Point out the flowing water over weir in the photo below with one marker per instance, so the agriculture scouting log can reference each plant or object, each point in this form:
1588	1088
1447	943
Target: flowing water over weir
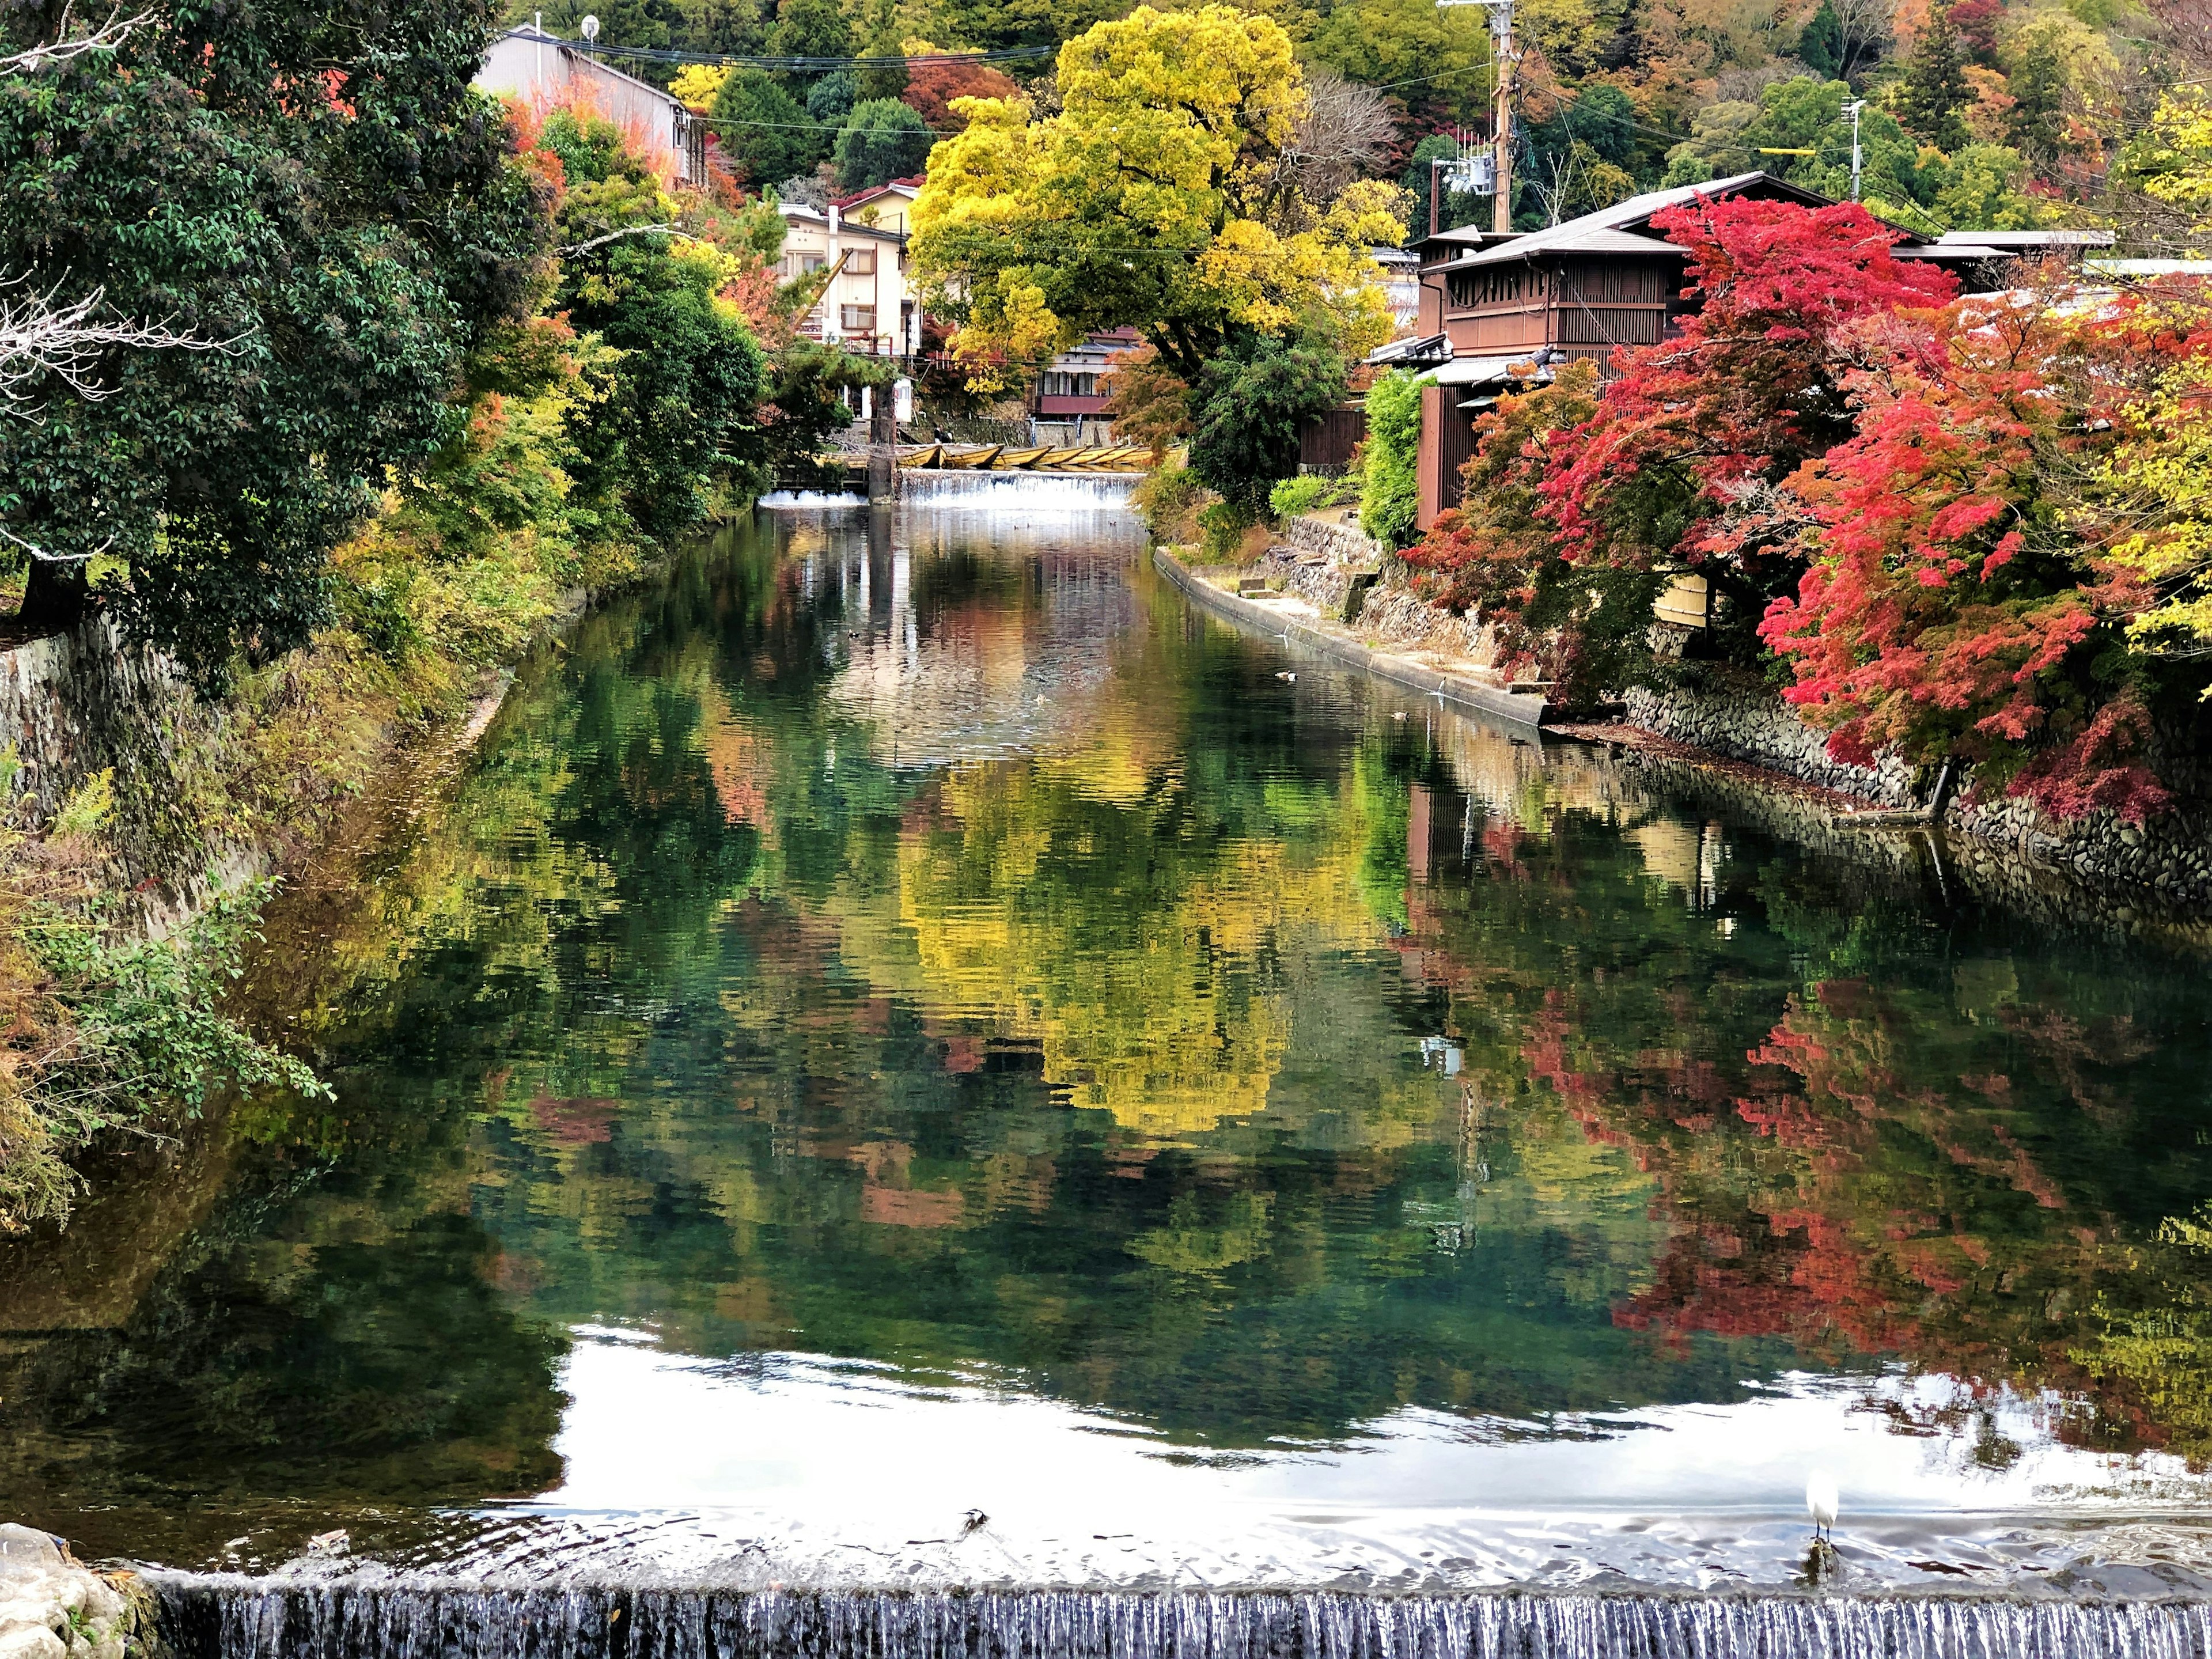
213	1618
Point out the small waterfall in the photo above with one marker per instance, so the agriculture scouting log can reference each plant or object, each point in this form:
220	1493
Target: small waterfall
1050	492
238	1618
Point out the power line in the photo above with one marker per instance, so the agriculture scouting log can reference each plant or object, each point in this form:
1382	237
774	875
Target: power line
799	61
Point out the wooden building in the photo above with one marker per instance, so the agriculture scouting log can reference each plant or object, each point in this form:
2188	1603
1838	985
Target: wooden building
1500	309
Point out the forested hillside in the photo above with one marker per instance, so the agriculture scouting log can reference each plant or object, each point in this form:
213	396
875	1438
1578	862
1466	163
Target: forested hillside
1980	114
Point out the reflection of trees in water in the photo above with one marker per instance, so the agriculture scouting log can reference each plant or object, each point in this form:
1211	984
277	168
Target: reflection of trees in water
1102	1061
1870	1138
317	1352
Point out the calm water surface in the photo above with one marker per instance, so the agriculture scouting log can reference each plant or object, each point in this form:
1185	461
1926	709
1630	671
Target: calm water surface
910	1020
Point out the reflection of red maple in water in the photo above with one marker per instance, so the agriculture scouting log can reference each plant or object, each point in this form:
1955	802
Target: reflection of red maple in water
1837	1188
583	1121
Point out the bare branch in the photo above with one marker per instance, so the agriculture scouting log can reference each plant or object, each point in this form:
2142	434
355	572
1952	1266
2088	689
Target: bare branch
612	235
39	336
64	46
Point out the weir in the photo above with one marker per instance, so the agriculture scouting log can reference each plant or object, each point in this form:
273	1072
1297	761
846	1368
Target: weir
1046	491
224	1618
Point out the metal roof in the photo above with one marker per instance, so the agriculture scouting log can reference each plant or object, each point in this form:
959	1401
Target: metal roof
1595	239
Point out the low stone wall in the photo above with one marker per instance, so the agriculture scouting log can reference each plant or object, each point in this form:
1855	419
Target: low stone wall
52	1608
2164	866
1316	561
76	704
1342	543
1767	732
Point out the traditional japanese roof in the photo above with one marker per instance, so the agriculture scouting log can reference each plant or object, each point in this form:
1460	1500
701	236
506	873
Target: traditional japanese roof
1597	239
1631	216
2019	241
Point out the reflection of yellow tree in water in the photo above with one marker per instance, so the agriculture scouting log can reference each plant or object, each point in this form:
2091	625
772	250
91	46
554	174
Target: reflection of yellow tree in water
1134	963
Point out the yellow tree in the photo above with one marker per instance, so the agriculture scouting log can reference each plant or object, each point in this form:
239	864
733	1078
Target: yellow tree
1159	197
2157	484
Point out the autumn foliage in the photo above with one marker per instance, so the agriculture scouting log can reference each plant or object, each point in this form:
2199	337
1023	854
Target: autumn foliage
1905	498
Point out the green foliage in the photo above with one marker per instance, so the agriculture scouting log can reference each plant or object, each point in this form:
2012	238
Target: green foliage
1390	484
1933	94
1168	496
148	1011
671	404
347	244
1302	494
764	128
830	99
810	28
1254	401
1821	42
881	37
882	140
88	808
1984	188
1221	527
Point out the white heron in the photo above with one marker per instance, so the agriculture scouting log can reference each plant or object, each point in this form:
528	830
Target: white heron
1820	1499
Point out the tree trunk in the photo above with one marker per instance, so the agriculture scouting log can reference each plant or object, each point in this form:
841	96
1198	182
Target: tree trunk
57	595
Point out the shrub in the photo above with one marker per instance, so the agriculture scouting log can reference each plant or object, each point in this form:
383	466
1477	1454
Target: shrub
1390	486
1302	494
1255	399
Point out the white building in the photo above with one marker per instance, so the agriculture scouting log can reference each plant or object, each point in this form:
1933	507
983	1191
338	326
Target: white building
546	72
870	305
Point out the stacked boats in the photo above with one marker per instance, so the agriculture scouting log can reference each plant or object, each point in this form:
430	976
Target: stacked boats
1044	458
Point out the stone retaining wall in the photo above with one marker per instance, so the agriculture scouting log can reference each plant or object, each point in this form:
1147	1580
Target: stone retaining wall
2164	865
1314	560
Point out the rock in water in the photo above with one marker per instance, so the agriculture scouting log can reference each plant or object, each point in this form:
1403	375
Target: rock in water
52	1608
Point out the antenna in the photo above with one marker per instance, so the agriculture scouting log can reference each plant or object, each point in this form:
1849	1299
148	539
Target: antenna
589	28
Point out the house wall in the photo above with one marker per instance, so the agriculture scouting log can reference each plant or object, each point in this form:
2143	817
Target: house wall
545	73
896	329
1447	441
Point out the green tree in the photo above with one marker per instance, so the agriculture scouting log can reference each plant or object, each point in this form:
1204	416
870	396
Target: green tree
1982	189
763	127
2036	79
882	37
882	140
1933	92
1253	402
830	99
810	28
1390	486
674	406
319	188
1821	42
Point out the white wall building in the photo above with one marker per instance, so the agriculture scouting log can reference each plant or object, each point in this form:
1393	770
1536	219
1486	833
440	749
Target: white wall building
546	72
870	305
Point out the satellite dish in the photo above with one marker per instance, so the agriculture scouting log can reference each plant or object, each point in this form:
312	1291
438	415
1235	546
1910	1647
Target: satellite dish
589	28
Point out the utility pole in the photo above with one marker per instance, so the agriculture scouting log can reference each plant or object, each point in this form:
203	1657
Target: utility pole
1501	106
1853	110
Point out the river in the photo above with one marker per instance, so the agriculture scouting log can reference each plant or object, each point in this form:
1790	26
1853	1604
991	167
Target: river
908	1057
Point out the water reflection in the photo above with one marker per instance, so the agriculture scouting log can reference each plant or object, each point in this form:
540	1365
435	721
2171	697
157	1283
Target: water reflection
909	997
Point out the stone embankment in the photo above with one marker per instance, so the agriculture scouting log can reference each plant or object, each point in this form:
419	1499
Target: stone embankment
2164	864
50	1607
2000	847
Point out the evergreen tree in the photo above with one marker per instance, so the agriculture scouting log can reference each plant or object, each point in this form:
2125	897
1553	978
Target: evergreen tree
1821	42
763	127
882	140
1933	92
2036	122
810	28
